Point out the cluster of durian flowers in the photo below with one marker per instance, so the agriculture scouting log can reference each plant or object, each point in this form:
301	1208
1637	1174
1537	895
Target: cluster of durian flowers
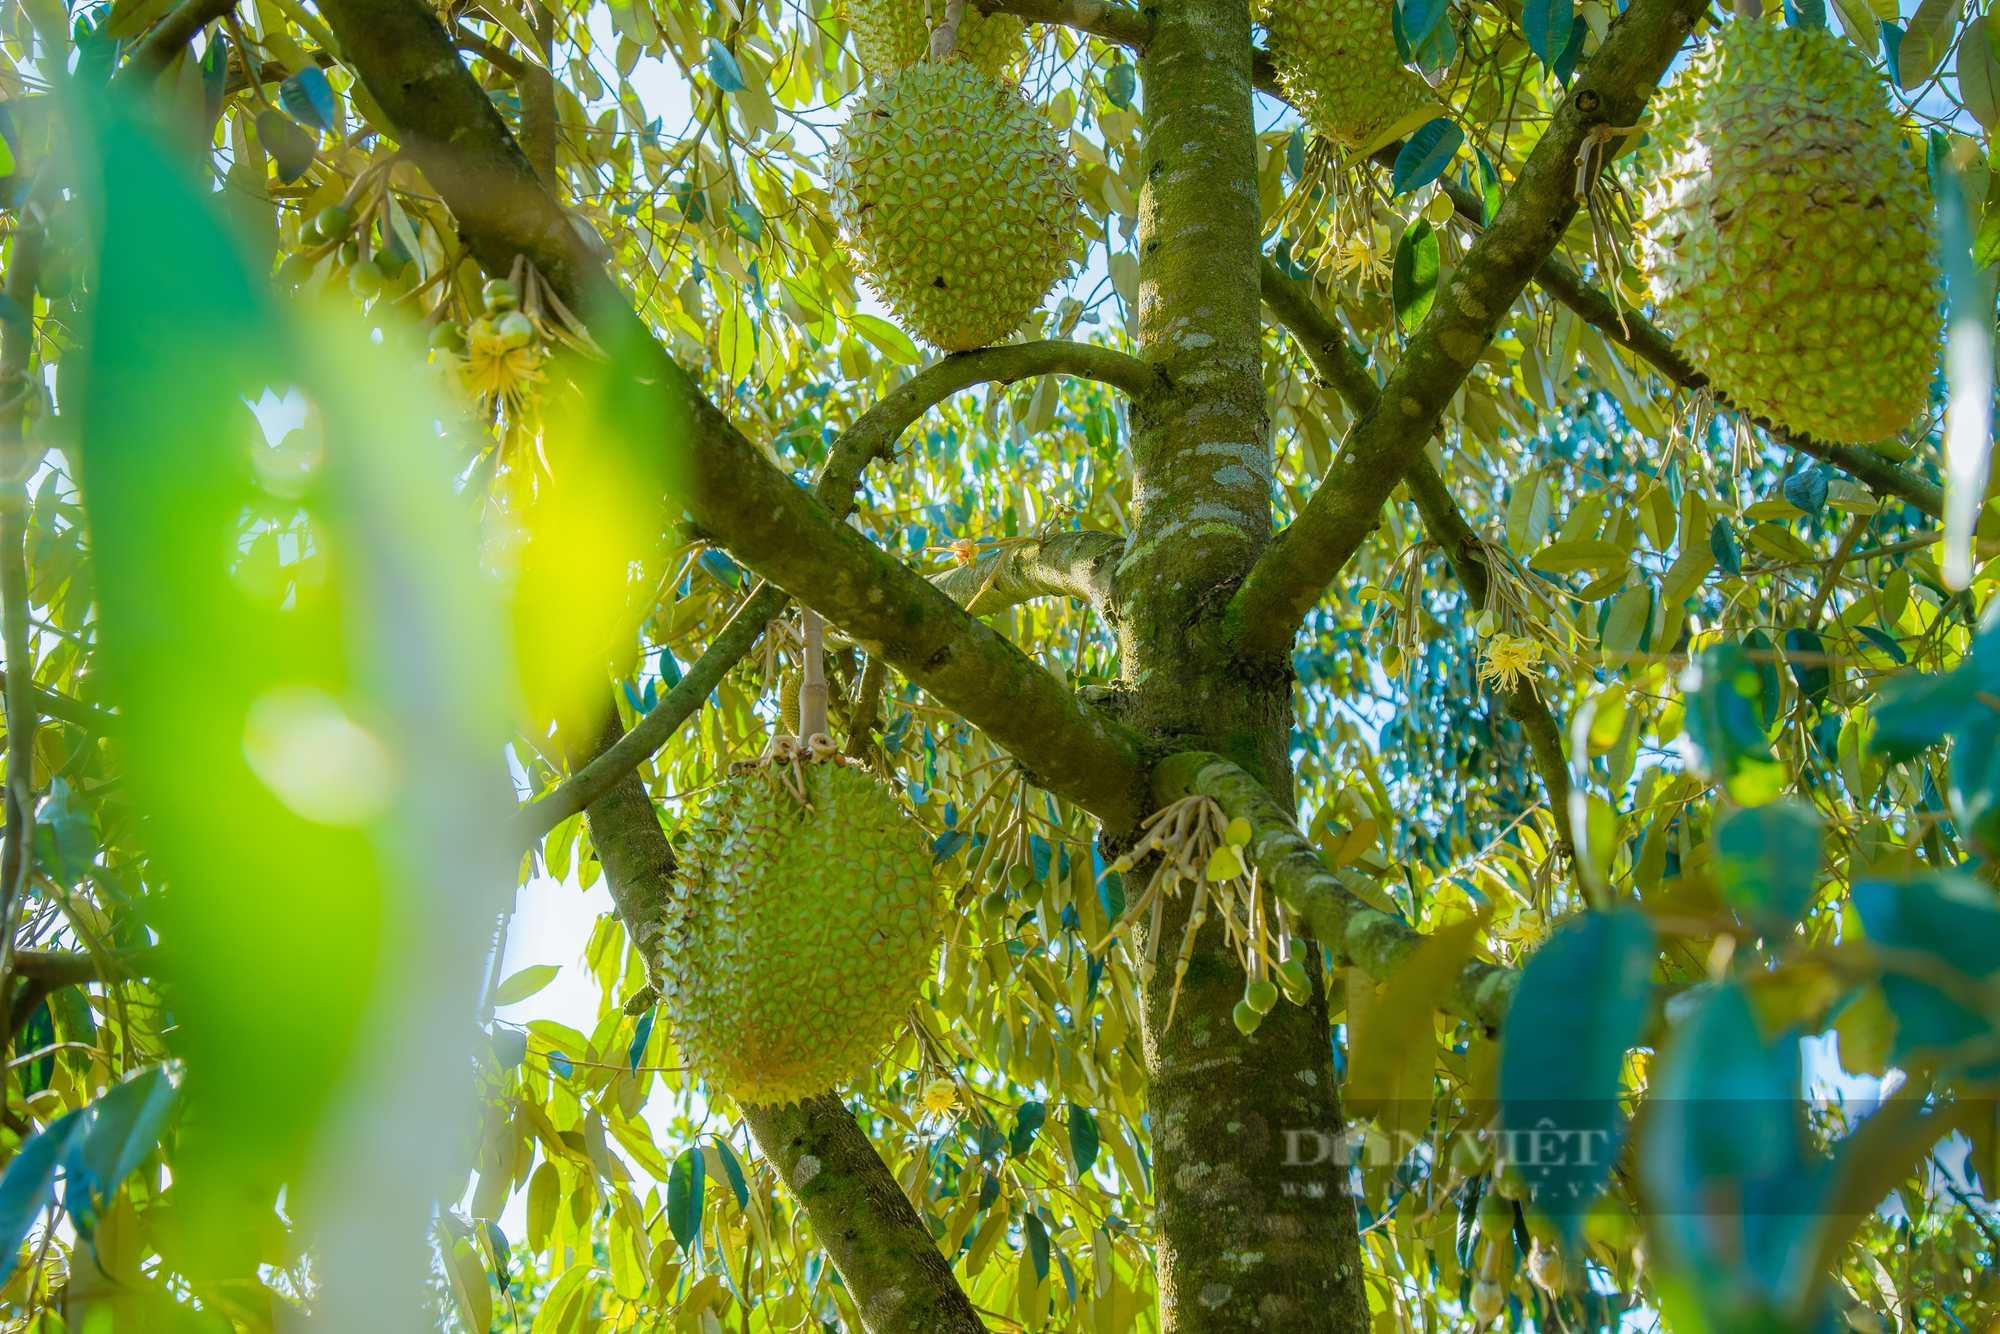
1191	842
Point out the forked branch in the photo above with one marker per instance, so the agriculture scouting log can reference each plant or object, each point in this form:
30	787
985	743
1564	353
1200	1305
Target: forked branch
1611	89
1077	565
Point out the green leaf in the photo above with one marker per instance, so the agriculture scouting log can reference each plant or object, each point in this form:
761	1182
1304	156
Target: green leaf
1724	1113
1955	920
1413	285
1083	1138
1425	154
722	67
1628	625
1578	1010
29	1182
1768	860
684	1191
1926	40
1489	188
1547	26
525	983
1121	81
1809	668
893	342
1582	553
311	99
1720	690
1528	511
1978	73
290	144
733	1170
125	1126
1037	1234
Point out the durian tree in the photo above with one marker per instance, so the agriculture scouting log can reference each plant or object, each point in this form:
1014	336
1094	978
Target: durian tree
1233	666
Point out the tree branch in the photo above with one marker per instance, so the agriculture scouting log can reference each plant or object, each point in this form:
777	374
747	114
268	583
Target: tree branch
1611	89
877	430
873	435
169	37
1076	565
513	68
1100	18
881	1249
624	756
1341	368
1355	932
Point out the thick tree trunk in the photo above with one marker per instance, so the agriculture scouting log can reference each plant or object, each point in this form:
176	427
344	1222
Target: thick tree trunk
1256	1230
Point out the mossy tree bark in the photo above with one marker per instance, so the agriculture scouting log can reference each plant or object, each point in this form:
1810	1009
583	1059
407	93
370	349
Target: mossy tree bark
1249	1237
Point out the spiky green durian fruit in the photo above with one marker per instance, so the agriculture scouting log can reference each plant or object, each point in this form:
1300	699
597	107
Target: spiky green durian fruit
1337	64
894	34
1786	235
957	201
798	935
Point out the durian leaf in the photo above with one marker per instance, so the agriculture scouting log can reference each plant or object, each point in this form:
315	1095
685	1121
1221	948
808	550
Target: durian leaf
1925	42
1120	82
1583	553
1426	154
1884	641
1528	511
733	1169
722	67
1580	1006
1767	860
1572	50
1036	1233
1860	24
1413	283
310	98
1546	25
519	986
1489	188
893	342
1807	490
1722	544
1805	13
1812	675
1979	75
684	1191
1083	1138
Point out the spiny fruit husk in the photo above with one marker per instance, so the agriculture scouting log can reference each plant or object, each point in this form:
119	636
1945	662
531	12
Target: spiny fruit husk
894	34
796	939
1787	237
957	201
1337	64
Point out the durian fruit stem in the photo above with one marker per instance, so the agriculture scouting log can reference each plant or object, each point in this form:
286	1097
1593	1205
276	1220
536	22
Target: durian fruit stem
812	693
1750	9
944	38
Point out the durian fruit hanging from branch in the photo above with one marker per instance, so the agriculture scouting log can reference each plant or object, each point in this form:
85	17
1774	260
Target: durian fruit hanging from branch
957	200
1337	63
891	35
1787	235
804	917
